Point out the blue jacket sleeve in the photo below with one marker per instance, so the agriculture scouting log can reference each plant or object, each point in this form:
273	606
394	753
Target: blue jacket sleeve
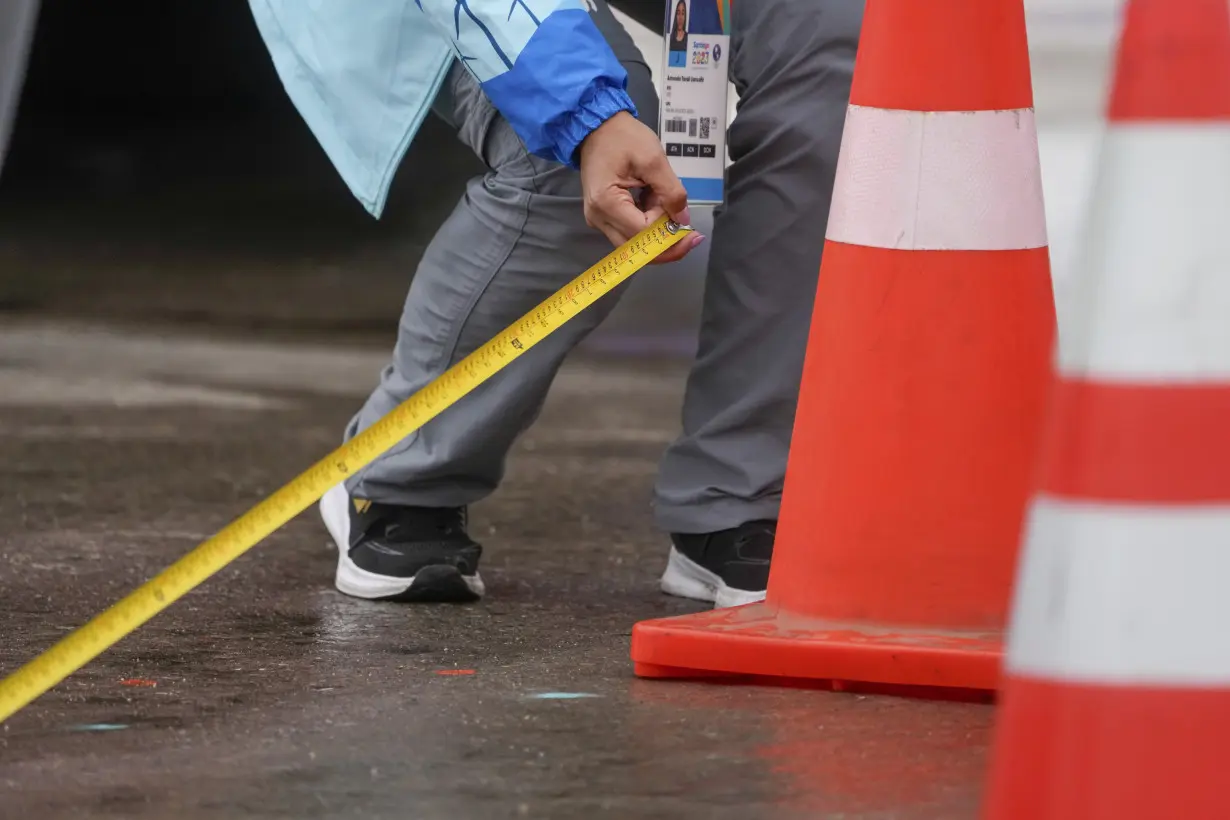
543	64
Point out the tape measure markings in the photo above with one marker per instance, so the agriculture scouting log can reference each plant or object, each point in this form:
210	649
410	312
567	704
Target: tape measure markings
118	621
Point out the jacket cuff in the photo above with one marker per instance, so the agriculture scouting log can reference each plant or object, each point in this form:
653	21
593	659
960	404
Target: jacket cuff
597	106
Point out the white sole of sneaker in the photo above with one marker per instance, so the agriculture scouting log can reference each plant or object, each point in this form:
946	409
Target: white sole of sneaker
684	578
357	582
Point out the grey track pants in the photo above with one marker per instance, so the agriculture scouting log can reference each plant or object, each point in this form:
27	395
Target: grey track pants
17	19
518	235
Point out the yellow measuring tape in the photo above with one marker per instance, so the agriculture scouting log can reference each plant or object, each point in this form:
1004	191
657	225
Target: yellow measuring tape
107	629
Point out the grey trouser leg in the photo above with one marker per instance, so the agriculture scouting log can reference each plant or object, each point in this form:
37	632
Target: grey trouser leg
792	61
16	27
517	236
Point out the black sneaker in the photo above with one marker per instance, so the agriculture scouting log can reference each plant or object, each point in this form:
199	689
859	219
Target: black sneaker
410	554
728	567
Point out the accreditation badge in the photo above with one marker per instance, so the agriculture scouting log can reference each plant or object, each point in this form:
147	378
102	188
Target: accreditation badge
696	83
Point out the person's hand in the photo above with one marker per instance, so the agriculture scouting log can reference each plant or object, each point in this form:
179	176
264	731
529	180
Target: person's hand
622	154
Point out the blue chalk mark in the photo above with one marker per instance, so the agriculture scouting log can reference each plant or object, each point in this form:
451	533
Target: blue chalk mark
98	727
562	695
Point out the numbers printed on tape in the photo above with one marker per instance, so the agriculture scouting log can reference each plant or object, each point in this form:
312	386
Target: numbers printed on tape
105	630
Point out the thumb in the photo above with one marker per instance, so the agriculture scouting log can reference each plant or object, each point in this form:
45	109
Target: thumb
658	175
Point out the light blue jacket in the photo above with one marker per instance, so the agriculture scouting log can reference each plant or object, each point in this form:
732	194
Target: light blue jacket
364	73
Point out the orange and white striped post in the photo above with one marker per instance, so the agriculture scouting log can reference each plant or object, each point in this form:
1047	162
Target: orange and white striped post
1116	701
925	383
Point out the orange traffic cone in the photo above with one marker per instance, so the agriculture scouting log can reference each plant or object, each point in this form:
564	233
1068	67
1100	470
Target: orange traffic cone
1116	699
925	382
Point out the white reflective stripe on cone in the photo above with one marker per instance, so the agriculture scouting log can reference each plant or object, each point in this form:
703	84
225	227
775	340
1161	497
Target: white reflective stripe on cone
1153	277
1123	594
947	180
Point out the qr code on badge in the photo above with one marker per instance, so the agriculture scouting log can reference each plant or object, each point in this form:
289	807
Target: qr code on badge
704	127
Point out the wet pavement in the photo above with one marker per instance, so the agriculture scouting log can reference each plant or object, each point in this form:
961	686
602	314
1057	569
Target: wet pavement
266	694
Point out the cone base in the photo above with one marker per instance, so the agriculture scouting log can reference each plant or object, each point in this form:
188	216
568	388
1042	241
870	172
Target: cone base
763	643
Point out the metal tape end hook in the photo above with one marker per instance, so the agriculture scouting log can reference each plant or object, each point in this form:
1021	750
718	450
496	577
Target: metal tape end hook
674	227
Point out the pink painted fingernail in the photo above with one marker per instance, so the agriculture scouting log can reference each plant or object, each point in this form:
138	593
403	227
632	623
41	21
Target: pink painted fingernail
697	240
